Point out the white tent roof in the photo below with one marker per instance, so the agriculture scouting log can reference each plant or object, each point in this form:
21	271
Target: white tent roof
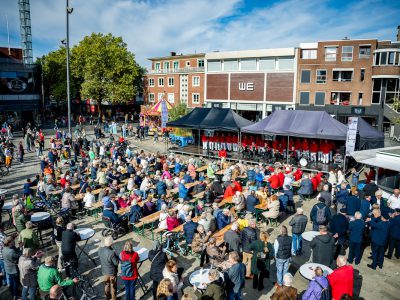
387	158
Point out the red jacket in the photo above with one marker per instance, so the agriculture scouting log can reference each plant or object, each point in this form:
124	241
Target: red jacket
297	175
341	281
203	138
222	153
238	187
172	223
315	183
281	178
274	181
314	147
229	192
134	259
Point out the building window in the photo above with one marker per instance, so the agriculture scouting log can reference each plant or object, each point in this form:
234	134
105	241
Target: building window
266	64
391	58
304	98
330	53
160	96
157	66
364	52
376	91
151	81
195	98
342	75
213	65
166	65
176	65
305	76
231	65
170	81
392	90
321	76
383	60
248	64
187	63
360	98
171	97
340	98
285	63
161	81
362	74
151	97
319	98
200	63
347	53
309	53
196	81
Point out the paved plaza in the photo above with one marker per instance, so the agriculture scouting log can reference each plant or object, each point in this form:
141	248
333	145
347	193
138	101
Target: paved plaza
379	284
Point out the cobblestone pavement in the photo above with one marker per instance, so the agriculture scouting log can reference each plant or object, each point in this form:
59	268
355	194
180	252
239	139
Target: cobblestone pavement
379	284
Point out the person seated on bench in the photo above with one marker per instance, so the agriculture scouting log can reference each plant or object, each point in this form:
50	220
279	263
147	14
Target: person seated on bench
189	228
223	218
306	188
251	202
149	207
273	208
239	201
136	213
183	190
172	220
110	214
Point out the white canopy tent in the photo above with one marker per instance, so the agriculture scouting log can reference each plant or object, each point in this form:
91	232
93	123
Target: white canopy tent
387	158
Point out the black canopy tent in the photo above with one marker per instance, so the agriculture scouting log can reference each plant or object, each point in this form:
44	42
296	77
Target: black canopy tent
224	119
368	136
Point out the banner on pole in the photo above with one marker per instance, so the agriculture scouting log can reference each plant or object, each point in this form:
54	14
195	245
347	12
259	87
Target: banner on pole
351	135
164	114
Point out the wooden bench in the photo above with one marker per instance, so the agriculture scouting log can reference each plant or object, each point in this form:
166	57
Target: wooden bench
219	235
201	169
95	209
180	227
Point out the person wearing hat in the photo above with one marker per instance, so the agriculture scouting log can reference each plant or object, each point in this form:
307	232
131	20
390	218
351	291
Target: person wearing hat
338	227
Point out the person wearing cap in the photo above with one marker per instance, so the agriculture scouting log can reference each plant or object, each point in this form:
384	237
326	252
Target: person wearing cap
298	223
394	235
338	227
285	291
356	235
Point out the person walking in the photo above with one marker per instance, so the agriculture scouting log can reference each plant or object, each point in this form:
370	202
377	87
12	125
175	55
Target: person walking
129	271
109	268
68	245
298	223
248	235
356	235
21	152
283	253
158	260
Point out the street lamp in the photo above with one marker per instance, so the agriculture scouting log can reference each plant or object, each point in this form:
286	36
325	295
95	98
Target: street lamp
68	12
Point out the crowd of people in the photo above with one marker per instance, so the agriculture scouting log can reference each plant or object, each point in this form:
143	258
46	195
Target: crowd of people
216	202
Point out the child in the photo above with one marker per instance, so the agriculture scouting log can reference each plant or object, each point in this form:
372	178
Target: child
354	177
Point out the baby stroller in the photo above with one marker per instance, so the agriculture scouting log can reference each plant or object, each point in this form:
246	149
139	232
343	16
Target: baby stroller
115	229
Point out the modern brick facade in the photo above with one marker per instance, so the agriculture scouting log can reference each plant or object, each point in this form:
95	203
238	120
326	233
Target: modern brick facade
178	78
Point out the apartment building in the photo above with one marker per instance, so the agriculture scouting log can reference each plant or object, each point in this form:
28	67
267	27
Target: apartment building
179	78
252	82
348	77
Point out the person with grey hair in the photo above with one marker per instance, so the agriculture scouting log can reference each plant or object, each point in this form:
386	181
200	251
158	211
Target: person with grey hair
323	247
28	265
214	289
199	244
109	268
68	245
283	253
298	223
28	237
189	229
341	279
326	195
356	235
286	291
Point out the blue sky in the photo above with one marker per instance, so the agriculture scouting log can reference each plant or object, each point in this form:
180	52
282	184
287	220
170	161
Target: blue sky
156	27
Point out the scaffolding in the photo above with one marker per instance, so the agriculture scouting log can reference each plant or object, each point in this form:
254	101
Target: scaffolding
26	32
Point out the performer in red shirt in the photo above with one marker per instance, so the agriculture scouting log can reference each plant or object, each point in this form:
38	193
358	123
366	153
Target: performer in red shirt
298	148
281	177
235	141
325	148
204	141
223	141
211	144
217	141
297	174
313	150
229	142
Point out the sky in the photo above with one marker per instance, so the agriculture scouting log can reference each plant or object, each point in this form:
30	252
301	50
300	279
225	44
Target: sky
153	28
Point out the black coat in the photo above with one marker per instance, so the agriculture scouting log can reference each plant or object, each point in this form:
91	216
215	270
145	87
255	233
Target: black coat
68	242
158	260
247	236
323	247
339	224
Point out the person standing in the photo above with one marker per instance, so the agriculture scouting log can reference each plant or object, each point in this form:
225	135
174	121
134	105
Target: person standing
28	265
320	214
248	235
171	272
394	200
341	279
68	244
283	253
21	152
129	271
298	223
323	247
232	238
2	240
11	256
315	287
109	268
379	234
158	260
394	235
235	277
28	237
339	225
356	234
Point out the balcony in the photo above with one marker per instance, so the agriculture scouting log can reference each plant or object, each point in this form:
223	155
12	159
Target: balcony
176	71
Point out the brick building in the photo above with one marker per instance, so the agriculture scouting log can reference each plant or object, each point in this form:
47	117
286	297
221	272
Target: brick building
178	78
251	82
346	78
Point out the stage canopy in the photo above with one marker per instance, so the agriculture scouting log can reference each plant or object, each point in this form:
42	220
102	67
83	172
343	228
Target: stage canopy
211	118
300	123
370	138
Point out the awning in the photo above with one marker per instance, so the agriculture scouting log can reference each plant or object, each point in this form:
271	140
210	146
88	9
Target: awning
386	158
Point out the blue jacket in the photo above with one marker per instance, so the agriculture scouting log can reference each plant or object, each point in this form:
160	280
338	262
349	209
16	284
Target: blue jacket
395	227
313	291
188	178
251	175
339	224
305	187
314	210
222	220
178	168
259	177
51	157
341	195
356	231
289	193
27	189
352	204
111	215
161	188
365	208
159	204
190	229
251	201
283	201
379	231
183	191
43	164
93	173
135	214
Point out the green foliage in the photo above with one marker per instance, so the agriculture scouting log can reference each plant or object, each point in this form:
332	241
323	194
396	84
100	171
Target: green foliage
178	111
396	104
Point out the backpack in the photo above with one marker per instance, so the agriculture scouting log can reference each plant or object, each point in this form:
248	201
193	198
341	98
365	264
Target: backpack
321	219
126	267
325	292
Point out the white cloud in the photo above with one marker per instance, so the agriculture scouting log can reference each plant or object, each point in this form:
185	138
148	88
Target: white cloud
153	28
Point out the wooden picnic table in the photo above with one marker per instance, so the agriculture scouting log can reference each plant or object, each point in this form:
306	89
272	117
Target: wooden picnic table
79	197
227	200
201	169
187	185
219	235
180	227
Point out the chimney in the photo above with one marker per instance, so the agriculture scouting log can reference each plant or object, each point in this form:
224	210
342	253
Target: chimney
173	53
398	33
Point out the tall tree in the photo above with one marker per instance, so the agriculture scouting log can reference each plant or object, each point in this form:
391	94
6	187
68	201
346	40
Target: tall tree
107	70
